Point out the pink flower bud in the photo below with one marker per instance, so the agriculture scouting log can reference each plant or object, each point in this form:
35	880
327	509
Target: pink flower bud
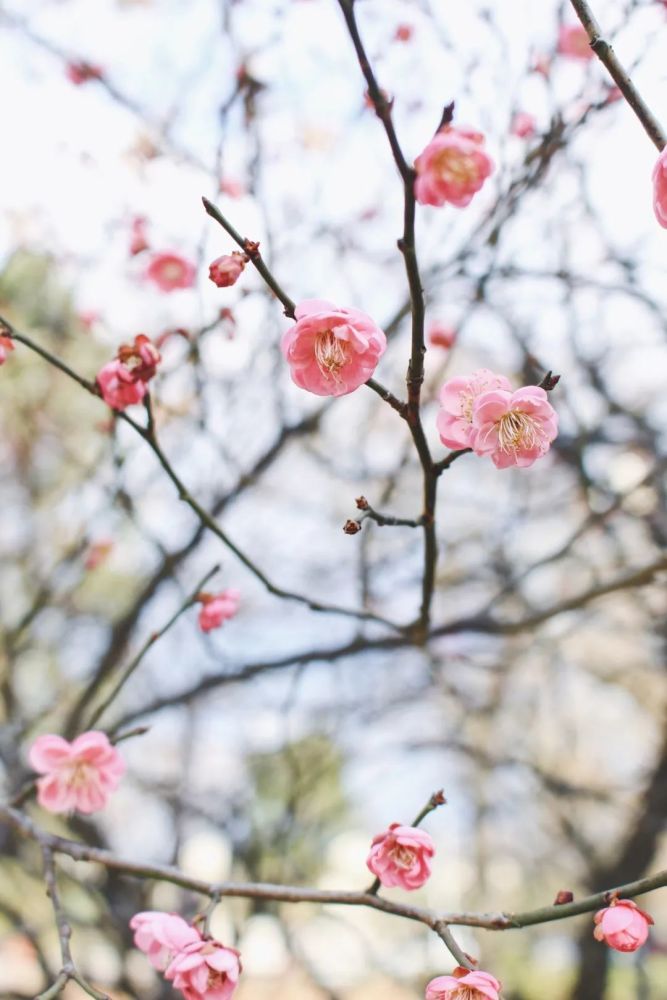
622	925
401	856
79	71
170	271
138	239
440	335
404	33
452	168
161	936
217	608
464	985
226	270
232	188
6	345
573	41
205	970
523	125
118	386
79	775
660	189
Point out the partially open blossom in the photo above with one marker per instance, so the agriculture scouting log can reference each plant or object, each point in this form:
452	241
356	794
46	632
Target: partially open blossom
332	351
138	238
6	345
452	168
79	71
217	608
523	125
123	382
404	33
141	357
79	775
226	270
401	855
457	398
514	428
161	936
440	335
660	189
170	271
622	925
464	985
205	970
573	41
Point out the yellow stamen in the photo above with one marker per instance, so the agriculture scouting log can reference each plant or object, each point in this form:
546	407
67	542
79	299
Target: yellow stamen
330	354
519	431
403	856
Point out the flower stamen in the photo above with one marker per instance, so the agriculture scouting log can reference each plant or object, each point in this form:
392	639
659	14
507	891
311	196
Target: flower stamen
330	354
518	431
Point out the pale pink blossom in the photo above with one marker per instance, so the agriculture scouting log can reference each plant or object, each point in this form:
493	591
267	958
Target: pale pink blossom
404	33
452	168
457	398
332	351
514	428
226	270
79	775
523	125
441	335
205	970
401	855
6	345
88	318
138	238
170	271
622	925
217	608
573	41
232	188
79	71
118	386
464	985
161	936
660	189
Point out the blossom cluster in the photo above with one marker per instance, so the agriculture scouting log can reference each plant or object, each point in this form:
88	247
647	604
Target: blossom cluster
124	381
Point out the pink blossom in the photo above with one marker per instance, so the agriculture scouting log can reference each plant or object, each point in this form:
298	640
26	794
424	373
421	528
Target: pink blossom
161	936
88	318
118	386
573	41
457	398
138	239
6	345
217	608
205	970
170	271
226	270
79	71
97	554
514	428
404	33
523	125
660	189
78	775
622	925
440	335
232	188
452	168
141	358
464	985
541	64
401	856
331	351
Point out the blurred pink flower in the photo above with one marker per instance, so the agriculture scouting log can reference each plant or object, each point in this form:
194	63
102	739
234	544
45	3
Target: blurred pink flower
573	41
457	398
404	33
205	970
118	386
464	985
141	357
660	189
332	351
138	238
217	608
232	188
161	936
440	335
452	168
226	270
79	71
97	554
169	271
78	775
541	64
401	856
514	428
622	925
88	318
6	345
523	125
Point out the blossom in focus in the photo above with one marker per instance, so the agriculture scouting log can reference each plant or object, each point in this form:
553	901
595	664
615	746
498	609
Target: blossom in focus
217	608
118	386
6	345
457	398
79	775
440	335
622	925
226	270
401	855
573	41
660	189
452	168
523	125
138	237
170	271
79	71
332	351
161	936
464	985
514	428
141	358
205	970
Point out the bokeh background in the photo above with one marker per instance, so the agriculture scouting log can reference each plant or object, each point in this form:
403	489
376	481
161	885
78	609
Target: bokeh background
280	744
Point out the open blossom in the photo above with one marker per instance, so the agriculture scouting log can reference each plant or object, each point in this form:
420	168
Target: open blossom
464	985
79	71
401	855
170	271
217	608
660	189
514	428
523	125
123	381
452	168
226	270
6	345
573	41
332	351
205	970
161	936
457	398
78	775
440	335
622	925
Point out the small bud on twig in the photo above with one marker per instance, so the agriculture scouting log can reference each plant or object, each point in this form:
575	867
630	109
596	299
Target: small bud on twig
351	527
563	896
362	503
549	382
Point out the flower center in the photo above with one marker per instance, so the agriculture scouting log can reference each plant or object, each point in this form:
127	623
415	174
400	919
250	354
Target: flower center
172	271
330	354
518	431
456	167
215	979
403	856
79	775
